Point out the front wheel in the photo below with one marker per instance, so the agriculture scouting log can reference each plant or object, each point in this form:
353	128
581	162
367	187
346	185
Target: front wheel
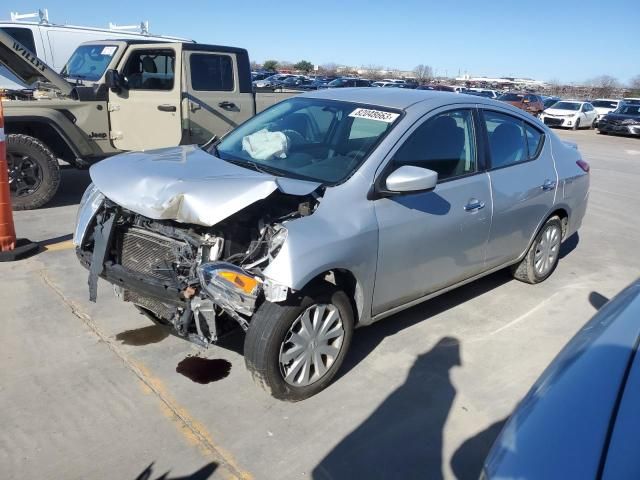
576	125
542	257
294	350
34	173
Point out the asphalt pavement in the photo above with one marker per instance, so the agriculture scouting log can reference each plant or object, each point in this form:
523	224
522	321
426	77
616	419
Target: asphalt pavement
96	391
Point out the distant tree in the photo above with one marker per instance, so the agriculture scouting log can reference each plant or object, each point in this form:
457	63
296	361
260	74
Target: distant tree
634	84
423	73
555	87
329	68
284	65
270	64
604	86
255	66
304	66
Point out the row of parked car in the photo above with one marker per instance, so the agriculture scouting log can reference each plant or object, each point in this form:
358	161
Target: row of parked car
621	116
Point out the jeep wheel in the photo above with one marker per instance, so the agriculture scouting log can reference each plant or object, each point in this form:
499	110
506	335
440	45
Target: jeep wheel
34	173
295	350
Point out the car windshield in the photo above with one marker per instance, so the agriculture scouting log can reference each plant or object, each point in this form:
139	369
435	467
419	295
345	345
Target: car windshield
337	82
511	97
89	62
307	138
567	106
629	110
604	104
549	102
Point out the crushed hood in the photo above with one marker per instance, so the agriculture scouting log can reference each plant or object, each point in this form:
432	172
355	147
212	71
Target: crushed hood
186	184
25	65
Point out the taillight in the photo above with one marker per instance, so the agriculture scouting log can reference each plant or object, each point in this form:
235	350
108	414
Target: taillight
583	165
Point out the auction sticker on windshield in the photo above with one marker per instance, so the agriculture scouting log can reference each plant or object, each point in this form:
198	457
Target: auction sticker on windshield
379	115
109	51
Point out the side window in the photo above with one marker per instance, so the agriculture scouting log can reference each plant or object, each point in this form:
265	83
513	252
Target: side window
444	143
150	70
534	141
507	143
23	36
212	73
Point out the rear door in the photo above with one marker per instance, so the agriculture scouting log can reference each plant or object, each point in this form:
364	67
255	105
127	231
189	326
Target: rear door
216	98
147	113
523	183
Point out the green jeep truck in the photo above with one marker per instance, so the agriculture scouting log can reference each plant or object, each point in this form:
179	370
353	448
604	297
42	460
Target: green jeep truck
119	95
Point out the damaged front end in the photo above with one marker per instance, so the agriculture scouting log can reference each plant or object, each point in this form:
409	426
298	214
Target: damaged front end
203	281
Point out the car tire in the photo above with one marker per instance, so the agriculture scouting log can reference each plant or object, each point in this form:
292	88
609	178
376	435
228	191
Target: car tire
34	172
576	125
602	133
270	341
543	254
594	124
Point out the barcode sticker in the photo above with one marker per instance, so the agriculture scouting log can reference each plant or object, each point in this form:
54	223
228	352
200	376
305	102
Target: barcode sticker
381	116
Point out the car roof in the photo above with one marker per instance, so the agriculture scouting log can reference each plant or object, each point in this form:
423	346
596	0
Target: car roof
402	98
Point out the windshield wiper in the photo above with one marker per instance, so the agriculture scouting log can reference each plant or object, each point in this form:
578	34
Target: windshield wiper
253	165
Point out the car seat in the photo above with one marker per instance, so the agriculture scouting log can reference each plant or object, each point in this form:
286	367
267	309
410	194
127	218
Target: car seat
507	145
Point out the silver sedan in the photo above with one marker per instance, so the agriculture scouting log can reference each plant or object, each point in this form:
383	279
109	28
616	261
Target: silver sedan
328	211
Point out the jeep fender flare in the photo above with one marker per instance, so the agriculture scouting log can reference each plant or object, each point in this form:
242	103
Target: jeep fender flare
76	140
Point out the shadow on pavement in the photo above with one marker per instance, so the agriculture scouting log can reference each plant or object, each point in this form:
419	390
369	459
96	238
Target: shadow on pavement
597	300
569	245
203	474
403	437
368	338
73	183
468	459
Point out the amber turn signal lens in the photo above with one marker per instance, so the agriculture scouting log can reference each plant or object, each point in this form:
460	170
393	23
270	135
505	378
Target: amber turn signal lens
244	282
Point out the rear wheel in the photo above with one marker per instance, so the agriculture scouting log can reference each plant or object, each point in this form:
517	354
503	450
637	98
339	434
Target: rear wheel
295	350
34	173
542	257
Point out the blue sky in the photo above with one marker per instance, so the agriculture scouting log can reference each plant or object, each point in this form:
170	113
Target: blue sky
568	40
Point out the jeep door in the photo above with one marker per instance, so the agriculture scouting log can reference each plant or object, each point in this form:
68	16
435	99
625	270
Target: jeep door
146	114
217	98
523	183
431	240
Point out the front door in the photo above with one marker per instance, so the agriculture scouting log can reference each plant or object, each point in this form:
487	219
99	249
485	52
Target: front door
216	100
431	240
523	183
146	114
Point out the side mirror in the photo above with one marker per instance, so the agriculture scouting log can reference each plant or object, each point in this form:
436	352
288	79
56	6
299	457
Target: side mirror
115	80
408	178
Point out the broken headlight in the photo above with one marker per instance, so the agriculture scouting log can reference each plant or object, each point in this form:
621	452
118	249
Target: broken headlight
229	286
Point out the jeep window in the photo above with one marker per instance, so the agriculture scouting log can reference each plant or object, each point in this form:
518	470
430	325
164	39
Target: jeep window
89	62
212	73
150	69
22	35
312	139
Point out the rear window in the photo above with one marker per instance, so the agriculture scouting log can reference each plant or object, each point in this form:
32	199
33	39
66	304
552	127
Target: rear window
211	72
22	35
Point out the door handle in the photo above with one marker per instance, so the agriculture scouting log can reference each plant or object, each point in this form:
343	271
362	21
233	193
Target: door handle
227	105
167	108
548	185
474	205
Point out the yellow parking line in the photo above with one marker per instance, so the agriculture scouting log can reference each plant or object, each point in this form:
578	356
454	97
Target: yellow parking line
65	245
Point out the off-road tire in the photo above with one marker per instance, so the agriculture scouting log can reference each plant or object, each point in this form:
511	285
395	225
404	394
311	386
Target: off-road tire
269	325
48	164
576	125
524	270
